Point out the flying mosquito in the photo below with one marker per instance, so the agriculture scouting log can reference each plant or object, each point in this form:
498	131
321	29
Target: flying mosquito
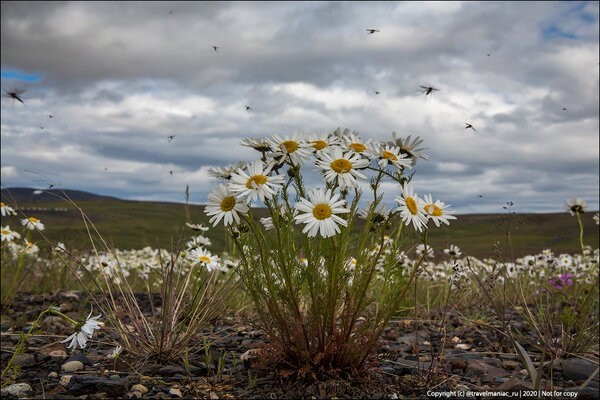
50	116
377	92
248	108
372	31
564	108
469	126
216	48
427	90
15	94
171	137
171	172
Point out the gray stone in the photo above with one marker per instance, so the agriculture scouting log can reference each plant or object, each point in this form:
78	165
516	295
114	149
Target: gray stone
577	369
171	370
483	370
24	360
139	388
18	390
72	366
81	384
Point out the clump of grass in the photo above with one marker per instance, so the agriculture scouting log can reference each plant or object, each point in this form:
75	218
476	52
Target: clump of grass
323	293
191	297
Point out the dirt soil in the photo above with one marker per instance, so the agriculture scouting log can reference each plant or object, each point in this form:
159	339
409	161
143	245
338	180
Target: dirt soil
414	359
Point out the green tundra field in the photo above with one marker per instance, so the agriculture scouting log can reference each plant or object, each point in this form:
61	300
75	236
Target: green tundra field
136	224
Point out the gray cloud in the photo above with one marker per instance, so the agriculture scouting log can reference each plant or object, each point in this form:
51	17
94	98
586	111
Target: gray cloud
120	77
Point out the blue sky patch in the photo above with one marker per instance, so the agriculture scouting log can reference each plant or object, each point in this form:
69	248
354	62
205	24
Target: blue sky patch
20	76
553	31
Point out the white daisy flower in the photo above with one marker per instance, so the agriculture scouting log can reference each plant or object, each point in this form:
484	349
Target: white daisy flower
320	213
290	149
197	227
410	148
379	215
421	250
60	247
354	143
8	235
411	208
115	353
223	205
32	223
31	248
198	241
259	144
85	333
6	210
342	166
437	211
322	143
254	182
225	172
205	258
576	206
390	155
453	251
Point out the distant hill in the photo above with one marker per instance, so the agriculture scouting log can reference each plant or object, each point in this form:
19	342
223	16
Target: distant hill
29	195
127	224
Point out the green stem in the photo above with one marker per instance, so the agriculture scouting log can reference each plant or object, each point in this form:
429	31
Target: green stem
580	235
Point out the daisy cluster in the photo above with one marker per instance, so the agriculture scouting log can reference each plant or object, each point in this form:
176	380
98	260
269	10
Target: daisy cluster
543	267
14	241
344	159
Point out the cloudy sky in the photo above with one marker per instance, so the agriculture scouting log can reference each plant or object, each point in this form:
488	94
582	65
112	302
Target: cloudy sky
118	78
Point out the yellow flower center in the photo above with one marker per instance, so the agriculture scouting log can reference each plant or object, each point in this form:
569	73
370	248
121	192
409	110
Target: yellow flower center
33	219
358	147
5	232
341	166
319	144
228	203
411	204
389	155
290	146
257	179
2	204
434	210
322	211
204	259
29	244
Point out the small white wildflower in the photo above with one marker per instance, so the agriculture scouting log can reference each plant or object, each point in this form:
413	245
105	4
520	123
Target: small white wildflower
32	223
85	333
576	206
6	210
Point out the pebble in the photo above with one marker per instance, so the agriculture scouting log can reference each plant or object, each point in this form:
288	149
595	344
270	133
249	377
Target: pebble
24	360
81	385
17	390
510	365
72	366
65	379
53	375
175	392
138	387
171	370
58	354
577	369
